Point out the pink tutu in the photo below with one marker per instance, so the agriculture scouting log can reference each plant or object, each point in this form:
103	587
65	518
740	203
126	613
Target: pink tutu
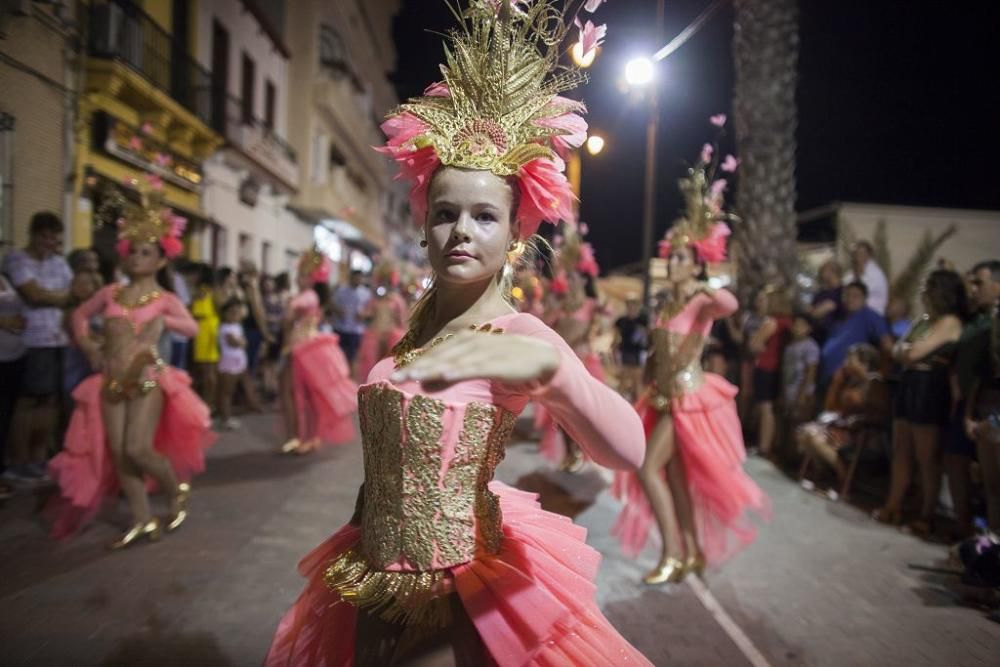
710	441
84	470
375	346
552	445
532	603
325	396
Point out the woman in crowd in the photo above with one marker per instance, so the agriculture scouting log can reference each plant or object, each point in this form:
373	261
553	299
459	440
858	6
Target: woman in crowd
386	316
767	345
138	419
438	560
691	481
205	354
318	397
922	404
827	303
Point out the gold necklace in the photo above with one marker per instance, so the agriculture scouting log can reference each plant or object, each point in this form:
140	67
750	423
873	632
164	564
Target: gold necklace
143	300
406	351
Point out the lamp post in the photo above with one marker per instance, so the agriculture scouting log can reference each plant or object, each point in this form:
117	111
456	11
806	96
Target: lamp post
641	72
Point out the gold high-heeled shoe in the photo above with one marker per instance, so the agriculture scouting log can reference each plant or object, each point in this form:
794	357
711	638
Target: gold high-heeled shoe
291	446
669	571
695	565
183	495
149	530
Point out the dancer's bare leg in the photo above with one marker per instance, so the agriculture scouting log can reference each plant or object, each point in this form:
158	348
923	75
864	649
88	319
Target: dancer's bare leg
250	391
143	418
129	476
659	450
288	409
677	480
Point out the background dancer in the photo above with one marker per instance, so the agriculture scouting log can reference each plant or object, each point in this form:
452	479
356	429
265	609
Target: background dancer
436	554
140	411
318	397
386	315
691	481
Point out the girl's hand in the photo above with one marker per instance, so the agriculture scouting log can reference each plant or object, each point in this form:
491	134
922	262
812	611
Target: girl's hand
471	355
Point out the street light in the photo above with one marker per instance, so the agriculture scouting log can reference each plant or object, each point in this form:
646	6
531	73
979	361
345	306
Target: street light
595	144
639	72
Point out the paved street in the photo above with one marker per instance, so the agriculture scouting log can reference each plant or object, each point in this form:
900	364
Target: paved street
822	586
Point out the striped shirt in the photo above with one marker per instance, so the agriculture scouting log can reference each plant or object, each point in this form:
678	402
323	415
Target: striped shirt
43	325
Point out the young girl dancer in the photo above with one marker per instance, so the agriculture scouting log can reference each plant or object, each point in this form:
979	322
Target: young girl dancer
136	421
691	481
437	558
318	397
386	314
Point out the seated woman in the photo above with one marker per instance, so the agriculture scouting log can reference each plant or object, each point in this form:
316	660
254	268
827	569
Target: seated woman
857	396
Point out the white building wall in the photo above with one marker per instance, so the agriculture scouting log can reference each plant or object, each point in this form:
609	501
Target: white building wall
269	222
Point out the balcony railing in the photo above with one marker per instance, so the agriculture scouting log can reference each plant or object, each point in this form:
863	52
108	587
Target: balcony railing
233	120
120	30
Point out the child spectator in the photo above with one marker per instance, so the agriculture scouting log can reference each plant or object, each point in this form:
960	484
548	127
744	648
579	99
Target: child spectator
232	361
76	366
206	343
799	366
767	344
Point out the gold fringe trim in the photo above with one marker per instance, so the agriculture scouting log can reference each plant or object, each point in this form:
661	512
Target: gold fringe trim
407	598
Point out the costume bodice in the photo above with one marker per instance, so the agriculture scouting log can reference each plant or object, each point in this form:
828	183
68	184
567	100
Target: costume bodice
427	466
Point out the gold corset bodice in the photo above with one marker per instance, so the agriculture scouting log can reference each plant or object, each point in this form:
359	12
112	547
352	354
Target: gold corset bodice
425	499
677	365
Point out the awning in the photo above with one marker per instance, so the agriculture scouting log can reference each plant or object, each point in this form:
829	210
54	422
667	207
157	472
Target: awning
348	232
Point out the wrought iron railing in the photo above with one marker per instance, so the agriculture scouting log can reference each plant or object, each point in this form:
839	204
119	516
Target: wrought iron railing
120	30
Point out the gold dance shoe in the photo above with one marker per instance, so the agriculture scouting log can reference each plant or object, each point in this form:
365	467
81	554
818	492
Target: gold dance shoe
183	495
669	571
149	530
695	565
291	446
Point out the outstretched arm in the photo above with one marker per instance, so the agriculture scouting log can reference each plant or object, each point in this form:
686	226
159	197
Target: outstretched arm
177	318
721	303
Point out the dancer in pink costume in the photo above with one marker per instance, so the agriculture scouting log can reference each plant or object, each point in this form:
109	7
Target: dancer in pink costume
318	396
137	422
692	481
438	558
386	314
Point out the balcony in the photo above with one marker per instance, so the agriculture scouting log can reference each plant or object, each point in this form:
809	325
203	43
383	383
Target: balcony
136	61
255	138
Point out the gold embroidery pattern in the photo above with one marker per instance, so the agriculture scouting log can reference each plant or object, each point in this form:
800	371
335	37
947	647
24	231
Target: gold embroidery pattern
488	503
405	352
462	482
380	412
422	497
678	369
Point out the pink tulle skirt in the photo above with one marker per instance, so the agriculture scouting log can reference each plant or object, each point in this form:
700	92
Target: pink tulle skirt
532	603
375	346
84	470
325	396
552	445
710	442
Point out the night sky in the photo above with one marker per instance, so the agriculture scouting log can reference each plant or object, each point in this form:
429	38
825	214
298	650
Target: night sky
894	105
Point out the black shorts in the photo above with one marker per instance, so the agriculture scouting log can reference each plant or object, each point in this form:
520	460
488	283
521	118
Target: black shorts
349	343
43	372
631	358
765	385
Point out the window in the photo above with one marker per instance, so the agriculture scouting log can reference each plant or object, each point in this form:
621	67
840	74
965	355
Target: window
269	101
265	257
249	74
332	52
245	247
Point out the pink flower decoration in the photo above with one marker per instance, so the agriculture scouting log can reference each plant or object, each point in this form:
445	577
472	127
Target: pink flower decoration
154	181
718	120
591	36
162	159
593	5
718	187
146	128
730	164
573	128
584	229
588	261
135	143
123	247
172	246
663	249
178	224
560	284
706	153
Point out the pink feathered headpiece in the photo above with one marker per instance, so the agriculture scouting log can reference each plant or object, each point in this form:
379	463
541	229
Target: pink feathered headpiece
316	265
149	222
498	108
711	249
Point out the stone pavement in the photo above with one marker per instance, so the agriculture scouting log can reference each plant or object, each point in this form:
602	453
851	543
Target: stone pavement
822	586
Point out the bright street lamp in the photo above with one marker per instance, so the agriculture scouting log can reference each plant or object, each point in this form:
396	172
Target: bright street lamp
639	71
583	61
595	144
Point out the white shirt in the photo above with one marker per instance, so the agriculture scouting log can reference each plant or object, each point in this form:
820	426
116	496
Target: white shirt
877	284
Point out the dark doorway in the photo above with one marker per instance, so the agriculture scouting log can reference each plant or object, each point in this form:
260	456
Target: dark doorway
220	76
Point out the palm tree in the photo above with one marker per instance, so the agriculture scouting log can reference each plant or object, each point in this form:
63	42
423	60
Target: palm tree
766	54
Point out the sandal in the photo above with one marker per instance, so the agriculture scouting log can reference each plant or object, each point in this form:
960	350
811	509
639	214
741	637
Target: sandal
888	516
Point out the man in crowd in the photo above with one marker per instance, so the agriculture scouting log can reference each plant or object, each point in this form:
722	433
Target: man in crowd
348	303
632	338
864	269
861	324
973	356
42	278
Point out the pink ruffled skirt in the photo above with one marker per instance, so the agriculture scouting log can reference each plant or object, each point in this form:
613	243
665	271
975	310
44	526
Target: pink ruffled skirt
375	346
84	469
552	445
709	439
325	396
532	603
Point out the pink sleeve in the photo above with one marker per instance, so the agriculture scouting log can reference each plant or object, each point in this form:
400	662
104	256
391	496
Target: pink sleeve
80	319
593	414
304	302
176	317
721	303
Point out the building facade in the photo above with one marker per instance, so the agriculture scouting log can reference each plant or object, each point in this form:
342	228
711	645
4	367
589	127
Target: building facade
250	180
343	52
36	113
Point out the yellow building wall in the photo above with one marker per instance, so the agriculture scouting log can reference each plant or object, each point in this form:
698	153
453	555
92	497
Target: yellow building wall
162	12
